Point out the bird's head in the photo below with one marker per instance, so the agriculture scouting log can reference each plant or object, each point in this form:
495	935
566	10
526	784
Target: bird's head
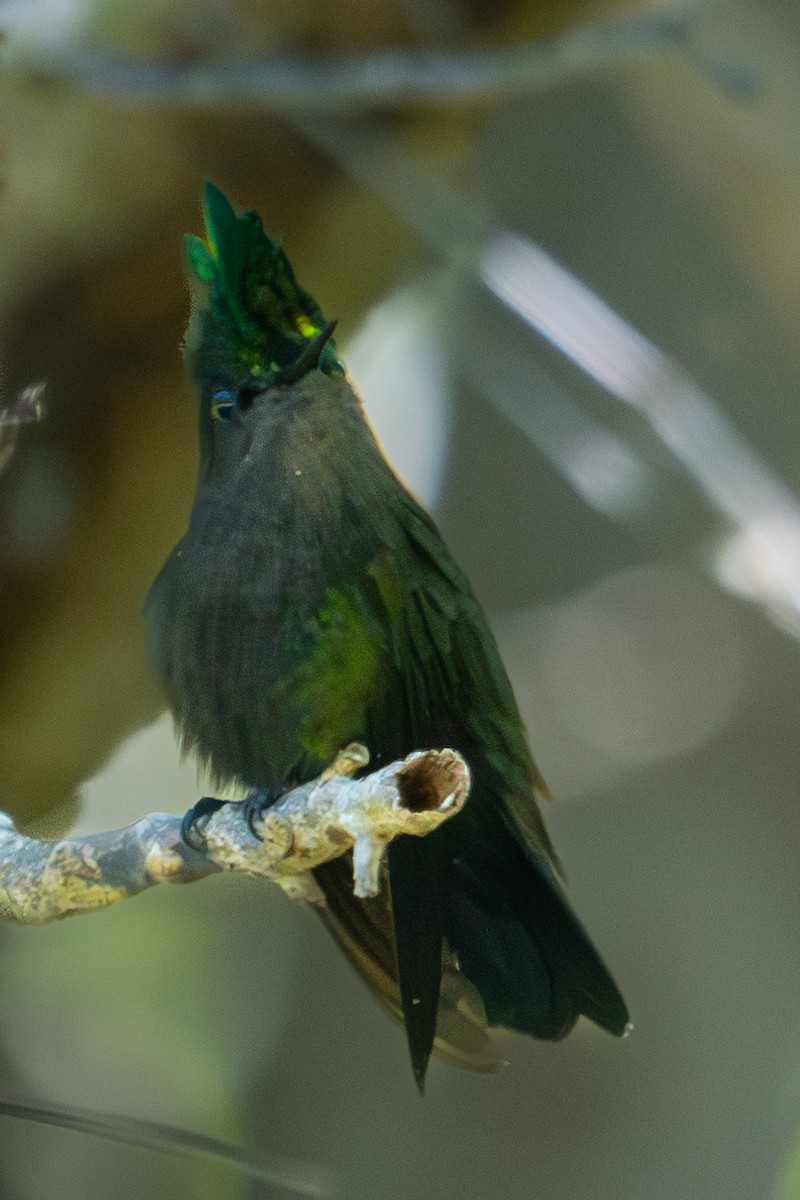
253	330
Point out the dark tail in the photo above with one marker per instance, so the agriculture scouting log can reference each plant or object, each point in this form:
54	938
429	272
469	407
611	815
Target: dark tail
521	945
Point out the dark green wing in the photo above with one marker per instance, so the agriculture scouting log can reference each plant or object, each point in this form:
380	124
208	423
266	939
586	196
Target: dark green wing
483	891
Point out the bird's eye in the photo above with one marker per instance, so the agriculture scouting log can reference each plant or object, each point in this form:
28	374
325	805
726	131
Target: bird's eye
223	404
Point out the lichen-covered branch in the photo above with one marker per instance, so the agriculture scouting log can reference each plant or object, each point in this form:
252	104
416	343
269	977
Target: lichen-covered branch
43	881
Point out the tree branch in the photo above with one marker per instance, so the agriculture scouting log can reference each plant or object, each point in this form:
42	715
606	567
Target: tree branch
43	881
27	409
291	84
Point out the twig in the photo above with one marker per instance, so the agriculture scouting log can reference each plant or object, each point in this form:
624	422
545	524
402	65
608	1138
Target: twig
27	409
291	84
302	1178
43	881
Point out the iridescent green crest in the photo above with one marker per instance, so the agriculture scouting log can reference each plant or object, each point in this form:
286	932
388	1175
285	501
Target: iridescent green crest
250	317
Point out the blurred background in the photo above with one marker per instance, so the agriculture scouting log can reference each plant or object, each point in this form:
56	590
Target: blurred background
562	241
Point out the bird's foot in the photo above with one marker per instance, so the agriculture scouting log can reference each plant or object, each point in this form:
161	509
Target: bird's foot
196	819
256	804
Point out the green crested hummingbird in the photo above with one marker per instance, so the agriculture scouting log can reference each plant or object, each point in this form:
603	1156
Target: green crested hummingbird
312	603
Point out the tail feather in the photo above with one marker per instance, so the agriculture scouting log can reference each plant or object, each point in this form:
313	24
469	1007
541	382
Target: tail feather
524	949
365	931
418	944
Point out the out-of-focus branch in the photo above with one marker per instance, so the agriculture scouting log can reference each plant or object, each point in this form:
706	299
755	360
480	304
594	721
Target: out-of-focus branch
291	84
301	1178
42	881
27	409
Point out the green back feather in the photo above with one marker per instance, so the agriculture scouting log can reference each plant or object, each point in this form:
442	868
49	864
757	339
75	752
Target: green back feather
250	317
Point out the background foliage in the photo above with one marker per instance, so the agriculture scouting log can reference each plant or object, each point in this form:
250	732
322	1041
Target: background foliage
649	630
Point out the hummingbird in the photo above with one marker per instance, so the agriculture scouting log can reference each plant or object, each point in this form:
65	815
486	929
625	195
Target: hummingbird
312	603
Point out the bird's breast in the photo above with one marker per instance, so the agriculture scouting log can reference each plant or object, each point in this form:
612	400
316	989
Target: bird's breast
271	649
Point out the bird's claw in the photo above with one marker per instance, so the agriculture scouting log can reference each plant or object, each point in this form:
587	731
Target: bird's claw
254	805
195	821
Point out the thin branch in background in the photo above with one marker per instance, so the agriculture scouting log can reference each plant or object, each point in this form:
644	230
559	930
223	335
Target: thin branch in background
761	508
292	85
303	1179
43	881
27	409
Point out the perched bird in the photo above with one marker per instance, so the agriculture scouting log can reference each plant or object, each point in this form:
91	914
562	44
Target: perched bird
312	603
